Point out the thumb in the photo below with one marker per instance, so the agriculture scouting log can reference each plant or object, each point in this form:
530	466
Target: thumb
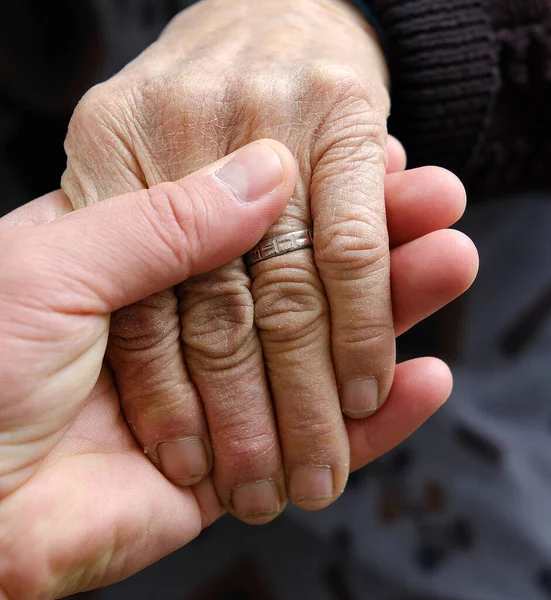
101	258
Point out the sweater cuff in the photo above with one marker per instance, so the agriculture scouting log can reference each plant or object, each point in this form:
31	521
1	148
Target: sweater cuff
444	70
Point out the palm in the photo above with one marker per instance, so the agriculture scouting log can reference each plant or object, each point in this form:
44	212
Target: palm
97	499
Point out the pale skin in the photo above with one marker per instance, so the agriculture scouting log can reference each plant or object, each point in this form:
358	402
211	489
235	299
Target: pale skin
81	506
246	374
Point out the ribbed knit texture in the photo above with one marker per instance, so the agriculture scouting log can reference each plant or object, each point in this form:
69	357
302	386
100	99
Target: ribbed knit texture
471	87
444	69
471	79
516	152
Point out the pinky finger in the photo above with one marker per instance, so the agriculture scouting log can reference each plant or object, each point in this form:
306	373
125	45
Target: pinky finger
420	388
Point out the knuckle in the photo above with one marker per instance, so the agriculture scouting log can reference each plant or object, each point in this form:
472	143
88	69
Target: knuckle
354	114
158	414
221	327
289	304
358	250
87	108
343	84
366	337
249	450
94	117
98	147
151	324
333	77
315	428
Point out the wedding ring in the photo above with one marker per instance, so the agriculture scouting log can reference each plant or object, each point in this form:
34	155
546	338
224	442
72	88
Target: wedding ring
281	244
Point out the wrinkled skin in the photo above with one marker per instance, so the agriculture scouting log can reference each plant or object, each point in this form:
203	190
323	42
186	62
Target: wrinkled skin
244	371
80	504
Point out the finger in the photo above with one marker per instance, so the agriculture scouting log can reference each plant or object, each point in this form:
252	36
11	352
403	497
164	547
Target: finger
292	317
96	260
428	273
177	230
119	493
417	202
165	408
167	387
352	255
160	402
42	210
291	314
419	389
420	201
222	354
396	156
157	395
224	357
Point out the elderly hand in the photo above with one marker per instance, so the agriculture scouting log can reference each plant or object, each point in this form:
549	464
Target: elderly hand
294	332
80	504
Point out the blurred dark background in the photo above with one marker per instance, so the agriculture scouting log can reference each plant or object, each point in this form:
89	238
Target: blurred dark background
461	510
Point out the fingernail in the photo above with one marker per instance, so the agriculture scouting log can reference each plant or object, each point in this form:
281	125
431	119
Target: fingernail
257	499
360	398
183	461
253	172
311	483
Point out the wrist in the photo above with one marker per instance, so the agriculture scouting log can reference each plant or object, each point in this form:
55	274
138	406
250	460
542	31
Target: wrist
319	28
349	10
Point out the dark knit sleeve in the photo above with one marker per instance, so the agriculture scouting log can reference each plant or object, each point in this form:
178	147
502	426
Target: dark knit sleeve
471	87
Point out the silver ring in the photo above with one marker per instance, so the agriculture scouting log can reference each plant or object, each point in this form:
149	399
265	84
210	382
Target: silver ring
281	244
